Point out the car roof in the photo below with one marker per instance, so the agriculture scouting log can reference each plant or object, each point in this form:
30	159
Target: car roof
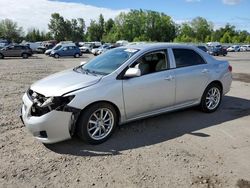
149	46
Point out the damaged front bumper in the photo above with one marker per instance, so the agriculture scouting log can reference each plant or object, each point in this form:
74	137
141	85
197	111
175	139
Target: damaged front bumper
50	127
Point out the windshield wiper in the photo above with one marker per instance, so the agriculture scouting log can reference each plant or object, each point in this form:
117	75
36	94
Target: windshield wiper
87	71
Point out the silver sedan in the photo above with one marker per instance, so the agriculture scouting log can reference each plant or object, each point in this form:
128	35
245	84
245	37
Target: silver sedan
122	85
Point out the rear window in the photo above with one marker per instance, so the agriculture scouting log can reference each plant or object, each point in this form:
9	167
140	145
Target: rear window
187	57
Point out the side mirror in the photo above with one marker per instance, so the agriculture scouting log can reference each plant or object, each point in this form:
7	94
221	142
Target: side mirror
83	62
132	72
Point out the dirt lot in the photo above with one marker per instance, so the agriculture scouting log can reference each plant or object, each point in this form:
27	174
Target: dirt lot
180	149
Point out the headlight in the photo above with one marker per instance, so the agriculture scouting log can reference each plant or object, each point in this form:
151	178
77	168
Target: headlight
47	102
55	102
43	105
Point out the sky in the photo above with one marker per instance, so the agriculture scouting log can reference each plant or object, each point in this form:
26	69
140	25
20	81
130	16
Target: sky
36	13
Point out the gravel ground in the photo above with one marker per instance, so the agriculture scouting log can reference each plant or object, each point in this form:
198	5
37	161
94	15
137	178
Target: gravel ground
187	148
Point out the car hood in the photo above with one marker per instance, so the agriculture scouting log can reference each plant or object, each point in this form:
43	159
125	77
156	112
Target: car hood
64	82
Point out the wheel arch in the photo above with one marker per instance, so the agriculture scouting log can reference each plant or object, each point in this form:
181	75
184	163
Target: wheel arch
219	83
108	102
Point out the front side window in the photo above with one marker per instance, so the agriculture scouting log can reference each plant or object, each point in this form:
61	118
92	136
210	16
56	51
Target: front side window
151	62
109	61
17	47
187	57
57	47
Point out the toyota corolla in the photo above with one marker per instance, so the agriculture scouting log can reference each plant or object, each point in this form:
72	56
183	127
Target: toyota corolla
122	85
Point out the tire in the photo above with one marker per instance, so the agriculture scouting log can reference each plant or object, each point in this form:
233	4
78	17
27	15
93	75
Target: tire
25	56
93	129
77	55
211	98
56	56
1	56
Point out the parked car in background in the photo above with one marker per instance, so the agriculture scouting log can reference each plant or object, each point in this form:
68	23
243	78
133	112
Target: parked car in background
58	46
234	48
122	43
33	45
3	43
217	50
202	47
16	51
66	50
86	48
245	48
42	49
122	85
105	48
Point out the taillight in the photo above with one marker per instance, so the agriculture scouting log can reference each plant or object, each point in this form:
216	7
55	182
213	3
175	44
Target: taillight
230	68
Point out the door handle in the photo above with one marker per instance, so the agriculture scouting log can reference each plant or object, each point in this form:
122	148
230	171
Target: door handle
169	78
205	71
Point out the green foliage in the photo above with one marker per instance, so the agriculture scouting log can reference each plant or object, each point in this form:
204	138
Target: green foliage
96	30
34	35
9	30
62	29
144	25
135	25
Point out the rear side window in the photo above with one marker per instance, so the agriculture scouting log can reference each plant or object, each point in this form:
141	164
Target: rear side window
187	57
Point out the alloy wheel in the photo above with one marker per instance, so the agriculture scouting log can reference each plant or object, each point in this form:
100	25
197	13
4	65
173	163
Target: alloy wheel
100	123
213	98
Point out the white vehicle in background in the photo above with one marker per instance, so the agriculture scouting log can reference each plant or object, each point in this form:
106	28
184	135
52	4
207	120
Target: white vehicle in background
86	47
234	48
213	44
245	48
33	45
122	43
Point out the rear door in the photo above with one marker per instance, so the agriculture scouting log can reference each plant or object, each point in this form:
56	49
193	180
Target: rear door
191	74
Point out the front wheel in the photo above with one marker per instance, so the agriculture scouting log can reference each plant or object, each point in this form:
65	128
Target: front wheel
1	56
211	98
77	55
56	56
25	56
97	123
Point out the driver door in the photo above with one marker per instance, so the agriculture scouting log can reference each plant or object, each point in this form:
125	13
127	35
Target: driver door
154	90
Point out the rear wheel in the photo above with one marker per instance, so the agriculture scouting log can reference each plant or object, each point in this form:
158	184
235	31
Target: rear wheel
1	56
97	123
77	55
25	56
211	98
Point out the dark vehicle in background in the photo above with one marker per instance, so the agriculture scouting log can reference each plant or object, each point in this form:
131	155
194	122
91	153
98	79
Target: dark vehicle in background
3	43
202	47
16	51
217	50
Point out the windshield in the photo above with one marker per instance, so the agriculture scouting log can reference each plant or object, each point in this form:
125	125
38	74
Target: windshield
57	47
109	61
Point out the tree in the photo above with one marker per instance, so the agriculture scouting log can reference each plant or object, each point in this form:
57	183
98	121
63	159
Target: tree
9	30
34	35
144	25
57	27
226	38
62	29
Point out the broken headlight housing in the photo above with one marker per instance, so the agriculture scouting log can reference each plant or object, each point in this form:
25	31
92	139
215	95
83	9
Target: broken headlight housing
42	105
